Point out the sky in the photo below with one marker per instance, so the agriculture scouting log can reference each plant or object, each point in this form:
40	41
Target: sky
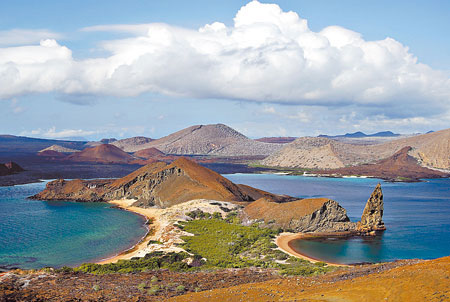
88	70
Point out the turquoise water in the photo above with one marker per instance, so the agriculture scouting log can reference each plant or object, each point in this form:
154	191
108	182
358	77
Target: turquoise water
417	216
35	234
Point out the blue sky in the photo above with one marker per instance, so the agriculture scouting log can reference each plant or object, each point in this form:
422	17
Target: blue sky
265	71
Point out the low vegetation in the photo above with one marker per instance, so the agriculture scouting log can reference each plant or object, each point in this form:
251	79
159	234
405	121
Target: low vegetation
225	243
217	243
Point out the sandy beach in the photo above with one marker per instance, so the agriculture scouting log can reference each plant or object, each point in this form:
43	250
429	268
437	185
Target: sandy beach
283	242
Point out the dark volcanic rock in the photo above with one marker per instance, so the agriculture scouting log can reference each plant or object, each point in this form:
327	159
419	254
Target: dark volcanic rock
10	168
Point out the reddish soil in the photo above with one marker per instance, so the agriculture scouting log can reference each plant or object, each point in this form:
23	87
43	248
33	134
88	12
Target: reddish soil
408	280
400	165
102	154
149	153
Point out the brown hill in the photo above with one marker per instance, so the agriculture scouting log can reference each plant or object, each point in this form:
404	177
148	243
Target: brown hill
102	154
217	139
10	168
157	184
148	153
51	154
400	165
431	150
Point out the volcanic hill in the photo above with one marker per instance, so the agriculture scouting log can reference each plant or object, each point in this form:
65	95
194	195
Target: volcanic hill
156	184
148	153
132	144
10	168
102	154
431	150
60	149
217	139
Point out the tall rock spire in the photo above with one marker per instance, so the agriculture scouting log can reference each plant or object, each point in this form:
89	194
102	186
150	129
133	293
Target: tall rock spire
371	219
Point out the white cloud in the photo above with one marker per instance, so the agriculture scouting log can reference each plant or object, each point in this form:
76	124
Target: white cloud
16	37
53	133
267	56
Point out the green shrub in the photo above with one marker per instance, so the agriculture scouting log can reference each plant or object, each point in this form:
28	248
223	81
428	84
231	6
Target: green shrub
96	287
154	279
153	290
180	288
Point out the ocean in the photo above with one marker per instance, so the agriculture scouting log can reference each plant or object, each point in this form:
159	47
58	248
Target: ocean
416	215
36	234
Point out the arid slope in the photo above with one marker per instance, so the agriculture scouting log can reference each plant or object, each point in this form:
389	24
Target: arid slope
398	166
431	150
217	139
157	184
422	281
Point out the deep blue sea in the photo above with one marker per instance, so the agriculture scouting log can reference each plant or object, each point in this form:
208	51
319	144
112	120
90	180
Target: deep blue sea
416	215
35	234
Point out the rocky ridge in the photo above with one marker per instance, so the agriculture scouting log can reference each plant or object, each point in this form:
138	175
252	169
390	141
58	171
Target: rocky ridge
132	143
399	167
319	215
60	149
304	215
157	184
431	150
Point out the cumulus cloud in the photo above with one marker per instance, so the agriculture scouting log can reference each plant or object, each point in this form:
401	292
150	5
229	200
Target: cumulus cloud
53	133
16	37
267	55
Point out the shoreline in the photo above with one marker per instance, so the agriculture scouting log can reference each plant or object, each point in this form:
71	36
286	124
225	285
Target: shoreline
284	243
126	204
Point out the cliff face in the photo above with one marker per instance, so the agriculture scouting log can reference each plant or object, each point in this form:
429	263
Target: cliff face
371	219
316	215
319	215
156	184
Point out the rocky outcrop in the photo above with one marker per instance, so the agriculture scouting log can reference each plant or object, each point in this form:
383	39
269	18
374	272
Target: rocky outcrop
372	217
157	184
75	190
10	168
320	216
312	215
